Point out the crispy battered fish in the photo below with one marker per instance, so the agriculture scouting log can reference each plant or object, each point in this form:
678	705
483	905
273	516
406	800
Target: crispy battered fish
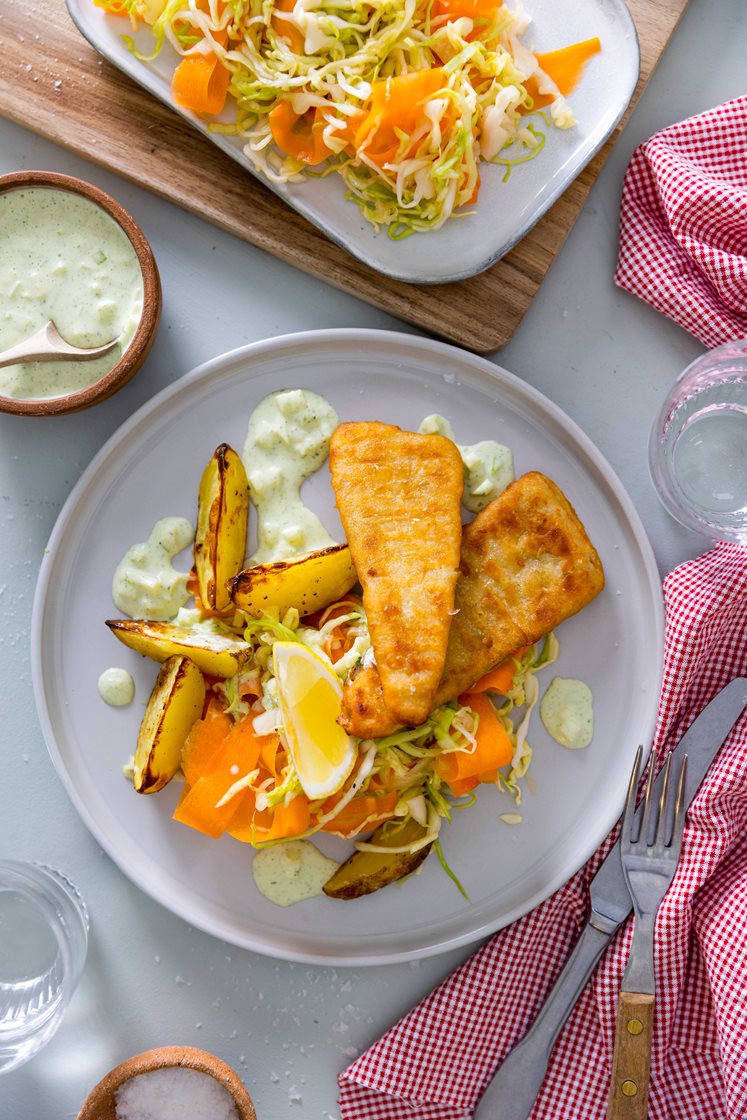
527	564
398	494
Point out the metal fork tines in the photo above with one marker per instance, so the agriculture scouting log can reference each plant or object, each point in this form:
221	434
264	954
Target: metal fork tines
650	854
650	851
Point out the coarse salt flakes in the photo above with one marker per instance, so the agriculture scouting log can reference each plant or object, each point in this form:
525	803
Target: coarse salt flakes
172	1094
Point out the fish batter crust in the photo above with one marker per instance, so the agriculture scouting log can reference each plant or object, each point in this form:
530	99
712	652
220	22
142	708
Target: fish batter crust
526	565
399	495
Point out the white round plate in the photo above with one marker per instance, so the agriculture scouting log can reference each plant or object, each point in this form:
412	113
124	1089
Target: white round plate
151	468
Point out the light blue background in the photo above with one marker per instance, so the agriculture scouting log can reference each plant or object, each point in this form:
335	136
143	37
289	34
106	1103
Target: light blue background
604	357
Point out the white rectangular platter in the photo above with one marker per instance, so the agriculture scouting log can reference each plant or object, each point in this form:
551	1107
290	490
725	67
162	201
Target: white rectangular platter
506	211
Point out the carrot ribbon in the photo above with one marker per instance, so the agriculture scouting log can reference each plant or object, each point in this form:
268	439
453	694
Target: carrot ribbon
501	679
212	768
564	67
397	106
200	81
463	770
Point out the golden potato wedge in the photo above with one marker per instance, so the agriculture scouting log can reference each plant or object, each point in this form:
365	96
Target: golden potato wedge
366	872
175	703
220	537
214	654
308	582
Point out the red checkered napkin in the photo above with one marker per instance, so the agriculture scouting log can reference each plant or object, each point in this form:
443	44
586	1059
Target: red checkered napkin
683	223
434	1063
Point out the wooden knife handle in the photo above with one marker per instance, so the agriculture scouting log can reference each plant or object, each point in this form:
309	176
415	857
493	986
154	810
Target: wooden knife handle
632	1057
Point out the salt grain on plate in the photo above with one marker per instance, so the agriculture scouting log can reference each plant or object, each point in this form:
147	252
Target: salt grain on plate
172	1094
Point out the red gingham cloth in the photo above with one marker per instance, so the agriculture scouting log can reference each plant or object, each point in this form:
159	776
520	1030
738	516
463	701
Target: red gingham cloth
434	1063
683	223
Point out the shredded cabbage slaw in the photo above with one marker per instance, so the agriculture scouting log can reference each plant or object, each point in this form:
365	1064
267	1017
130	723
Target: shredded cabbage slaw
406	774
401	98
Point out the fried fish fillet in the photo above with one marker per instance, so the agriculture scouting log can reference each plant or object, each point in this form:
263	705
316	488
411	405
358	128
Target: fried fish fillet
527	564
399	495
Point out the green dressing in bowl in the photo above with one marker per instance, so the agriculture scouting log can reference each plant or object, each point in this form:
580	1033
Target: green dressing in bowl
62	257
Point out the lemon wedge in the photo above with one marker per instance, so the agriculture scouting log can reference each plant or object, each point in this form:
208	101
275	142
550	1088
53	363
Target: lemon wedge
310	697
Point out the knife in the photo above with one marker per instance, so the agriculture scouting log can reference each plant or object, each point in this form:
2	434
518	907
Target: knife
513	1090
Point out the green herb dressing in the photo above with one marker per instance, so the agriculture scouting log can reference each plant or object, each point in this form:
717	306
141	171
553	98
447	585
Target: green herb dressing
116	687
291	872
567	712
488	466
146	584
64	258
286	442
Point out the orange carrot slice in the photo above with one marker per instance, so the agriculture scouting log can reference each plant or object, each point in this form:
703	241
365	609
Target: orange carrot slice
564	67
200	83
396	104
367	810
237	754
268	755
501	678
198	809
288	820
473	9
284	29
481	12
202	743
461	786
298	136
493	748
353	121
241	826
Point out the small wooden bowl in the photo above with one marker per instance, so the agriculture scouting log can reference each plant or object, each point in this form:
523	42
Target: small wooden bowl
137	350
100	1103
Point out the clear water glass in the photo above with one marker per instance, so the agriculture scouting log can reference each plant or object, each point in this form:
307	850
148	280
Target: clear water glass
698	445
43	944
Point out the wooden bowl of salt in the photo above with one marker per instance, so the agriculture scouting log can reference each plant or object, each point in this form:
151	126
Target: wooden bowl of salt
170	1083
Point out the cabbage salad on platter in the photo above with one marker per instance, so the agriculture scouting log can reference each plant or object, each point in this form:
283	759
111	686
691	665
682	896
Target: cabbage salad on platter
404	99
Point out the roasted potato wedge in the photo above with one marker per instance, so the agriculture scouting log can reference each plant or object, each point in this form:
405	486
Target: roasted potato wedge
366	872
212	653
220	538
309	582
175	703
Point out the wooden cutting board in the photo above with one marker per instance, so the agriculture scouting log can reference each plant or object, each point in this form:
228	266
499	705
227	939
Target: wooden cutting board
53	82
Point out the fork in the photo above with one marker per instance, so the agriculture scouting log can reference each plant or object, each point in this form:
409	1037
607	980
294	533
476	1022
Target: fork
650	855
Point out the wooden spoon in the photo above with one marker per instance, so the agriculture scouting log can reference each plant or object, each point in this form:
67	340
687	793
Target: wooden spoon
47	344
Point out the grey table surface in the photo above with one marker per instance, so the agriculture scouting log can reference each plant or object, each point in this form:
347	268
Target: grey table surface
151	979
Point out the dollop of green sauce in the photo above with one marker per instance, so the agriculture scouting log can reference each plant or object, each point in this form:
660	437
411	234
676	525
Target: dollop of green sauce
567	711
145	583
291	872
286	442
64	258
488	466
116	687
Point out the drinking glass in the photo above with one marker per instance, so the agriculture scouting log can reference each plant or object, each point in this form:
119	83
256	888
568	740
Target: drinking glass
698	445
43	944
